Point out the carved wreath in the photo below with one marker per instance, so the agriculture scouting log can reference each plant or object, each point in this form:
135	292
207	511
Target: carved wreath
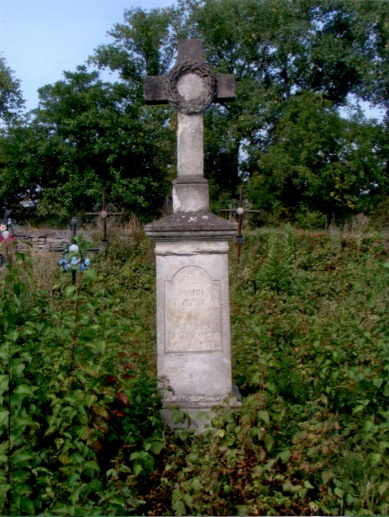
201	102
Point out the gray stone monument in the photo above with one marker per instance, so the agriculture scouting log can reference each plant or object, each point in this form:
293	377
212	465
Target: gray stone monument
193	313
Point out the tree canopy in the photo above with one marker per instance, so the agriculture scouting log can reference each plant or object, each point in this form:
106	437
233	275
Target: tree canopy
299	65
87	137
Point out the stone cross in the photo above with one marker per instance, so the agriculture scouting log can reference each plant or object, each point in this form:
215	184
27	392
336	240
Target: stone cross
193	313
190	87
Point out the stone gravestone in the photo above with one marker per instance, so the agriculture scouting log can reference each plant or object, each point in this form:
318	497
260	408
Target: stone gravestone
193	313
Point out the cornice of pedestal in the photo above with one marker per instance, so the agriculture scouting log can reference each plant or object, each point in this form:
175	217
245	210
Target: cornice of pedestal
192	225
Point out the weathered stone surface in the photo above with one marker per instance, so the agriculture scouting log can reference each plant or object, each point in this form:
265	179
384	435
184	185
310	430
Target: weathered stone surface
190	197
197	225
225	87
192	312
189	49
190	144
190	86
40	241
155	90
193	323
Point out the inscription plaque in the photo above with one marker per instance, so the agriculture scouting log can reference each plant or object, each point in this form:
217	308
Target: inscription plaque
192	312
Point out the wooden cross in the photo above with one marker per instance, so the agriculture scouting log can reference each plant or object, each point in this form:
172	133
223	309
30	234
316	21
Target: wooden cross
191	87
104	214
240	211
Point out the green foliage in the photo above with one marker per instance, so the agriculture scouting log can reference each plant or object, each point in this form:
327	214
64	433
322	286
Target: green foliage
75	410
318	161
299	64
80	427
86	137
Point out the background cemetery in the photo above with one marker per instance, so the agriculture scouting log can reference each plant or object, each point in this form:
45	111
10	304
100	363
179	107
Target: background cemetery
81	430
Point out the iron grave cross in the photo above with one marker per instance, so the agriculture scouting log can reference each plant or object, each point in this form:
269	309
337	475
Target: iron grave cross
190	87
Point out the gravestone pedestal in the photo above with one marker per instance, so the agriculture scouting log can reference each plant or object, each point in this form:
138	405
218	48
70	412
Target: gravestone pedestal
193	313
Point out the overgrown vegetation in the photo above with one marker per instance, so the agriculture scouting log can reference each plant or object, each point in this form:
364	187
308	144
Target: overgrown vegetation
80	427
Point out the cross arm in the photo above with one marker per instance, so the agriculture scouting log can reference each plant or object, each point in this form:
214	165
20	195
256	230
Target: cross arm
155	88
225	87
246	211
108	213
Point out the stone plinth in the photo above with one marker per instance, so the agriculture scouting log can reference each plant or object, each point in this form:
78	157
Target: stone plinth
193	313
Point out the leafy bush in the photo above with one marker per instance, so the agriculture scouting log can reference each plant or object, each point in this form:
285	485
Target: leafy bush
80	428
72	401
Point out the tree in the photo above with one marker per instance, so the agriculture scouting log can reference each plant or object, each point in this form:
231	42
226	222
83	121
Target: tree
87	136
11	104
285	53
319	162
297	64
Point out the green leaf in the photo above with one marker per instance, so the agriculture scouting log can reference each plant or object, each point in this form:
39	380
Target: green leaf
326	476
375	458
339	492
137	469
378	381
179	507
284	455
17	366
92	465
269	442
196	485
20	456
242	509
27	506
157	447
3	383
264	416
383	487
70	291
90	274
75	495
25	390
4	418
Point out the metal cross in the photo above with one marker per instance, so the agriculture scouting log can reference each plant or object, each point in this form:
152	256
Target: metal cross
191	88
104	213
73	233
240	211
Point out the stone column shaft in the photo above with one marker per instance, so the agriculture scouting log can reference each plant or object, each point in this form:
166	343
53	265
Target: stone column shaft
190	145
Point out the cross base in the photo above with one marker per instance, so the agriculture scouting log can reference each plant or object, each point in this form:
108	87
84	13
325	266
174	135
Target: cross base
193	225
190	194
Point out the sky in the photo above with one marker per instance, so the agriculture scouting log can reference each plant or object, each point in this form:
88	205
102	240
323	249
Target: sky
40	39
